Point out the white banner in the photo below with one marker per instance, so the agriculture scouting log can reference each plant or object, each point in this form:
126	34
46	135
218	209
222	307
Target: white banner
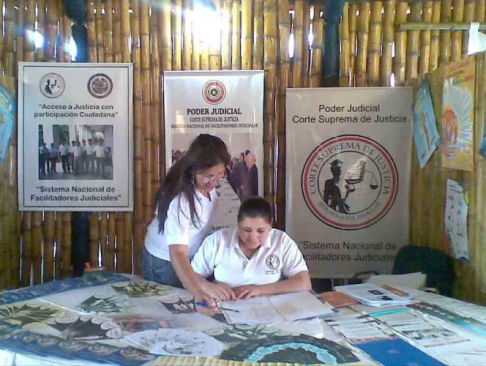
227	104
75	137
348	177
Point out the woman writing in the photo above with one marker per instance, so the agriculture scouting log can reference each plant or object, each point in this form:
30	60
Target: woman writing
185	204
253	259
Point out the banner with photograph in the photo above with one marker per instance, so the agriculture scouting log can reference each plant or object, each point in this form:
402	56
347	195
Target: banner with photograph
348	177
227	104
457	120
7	113
75	137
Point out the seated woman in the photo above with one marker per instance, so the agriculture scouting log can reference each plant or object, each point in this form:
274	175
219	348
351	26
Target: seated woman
253	259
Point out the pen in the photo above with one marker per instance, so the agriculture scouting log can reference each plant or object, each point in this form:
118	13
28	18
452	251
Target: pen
204	304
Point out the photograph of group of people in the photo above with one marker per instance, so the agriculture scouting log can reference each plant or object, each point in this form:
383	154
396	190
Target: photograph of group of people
87	157
242	170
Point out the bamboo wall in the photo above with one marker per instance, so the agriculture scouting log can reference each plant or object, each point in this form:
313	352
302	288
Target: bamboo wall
159	35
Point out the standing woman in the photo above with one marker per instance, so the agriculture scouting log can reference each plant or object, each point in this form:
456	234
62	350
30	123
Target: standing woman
186	203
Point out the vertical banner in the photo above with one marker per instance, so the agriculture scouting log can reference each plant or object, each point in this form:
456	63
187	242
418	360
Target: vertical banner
227	104
348	176
75	137
457	120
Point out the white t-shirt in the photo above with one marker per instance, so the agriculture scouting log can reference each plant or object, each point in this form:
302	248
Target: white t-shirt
89	149
178	227
220	254
99	151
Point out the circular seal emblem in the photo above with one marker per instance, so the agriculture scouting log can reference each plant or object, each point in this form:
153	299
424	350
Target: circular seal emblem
349	182
214	92
52	85
100	85
272	262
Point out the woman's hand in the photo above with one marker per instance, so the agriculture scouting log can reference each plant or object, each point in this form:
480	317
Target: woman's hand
247	292
219	292
210	309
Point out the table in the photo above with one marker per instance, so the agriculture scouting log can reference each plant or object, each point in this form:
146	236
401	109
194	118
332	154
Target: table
110	318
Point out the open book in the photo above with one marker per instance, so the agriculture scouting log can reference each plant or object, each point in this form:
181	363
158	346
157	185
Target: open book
275	309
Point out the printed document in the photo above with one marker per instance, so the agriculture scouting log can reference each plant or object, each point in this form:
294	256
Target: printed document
275	309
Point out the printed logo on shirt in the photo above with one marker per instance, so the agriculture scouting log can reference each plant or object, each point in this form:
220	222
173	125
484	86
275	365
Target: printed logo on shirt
52	85
272	262
100	85
214	92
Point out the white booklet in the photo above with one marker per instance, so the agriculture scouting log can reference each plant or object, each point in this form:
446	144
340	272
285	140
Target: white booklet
376	295
275	309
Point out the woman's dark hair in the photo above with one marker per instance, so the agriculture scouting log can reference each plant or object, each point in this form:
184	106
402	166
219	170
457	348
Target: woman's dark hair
205	152
254	207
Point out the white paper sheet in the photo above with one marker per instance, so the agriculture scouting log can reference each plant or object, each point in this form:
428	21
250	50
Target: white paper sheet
275	309
455	218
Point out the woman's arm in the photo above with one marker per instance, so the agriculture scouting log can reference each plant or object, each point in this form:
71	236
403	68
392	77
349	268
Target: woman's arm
296	283
200	287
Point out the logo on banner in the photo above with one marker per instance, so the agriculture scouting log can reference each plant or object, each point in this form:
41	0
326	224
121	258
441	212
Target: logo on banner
52	85
349	182
100	85
214	92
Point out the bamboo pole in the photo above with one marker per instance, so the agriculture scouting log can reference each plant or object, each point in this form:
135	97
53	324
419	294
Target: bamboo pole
126	57
9	38
94	239
177	35
111	242
400	44
2	36
298	32
480	11
107	256
316	55
374	46
40	22
445	35
306	45
66	269
345	77
456	39
270	44
50	217
146	125
108	31
246	31
92	37
388	42
434	34
58	245
226	34
165	24
363	33
26	248
120	242
117	32
353	36
100	33
20	23
258	35
236	36
413	40
187	35
215	43
469	10
424	61
139	151
156	102
66	36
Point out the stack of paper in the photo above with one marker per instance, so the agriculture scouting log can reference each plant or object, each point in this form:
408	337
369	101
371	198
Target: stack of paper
176	342
275	309
376	295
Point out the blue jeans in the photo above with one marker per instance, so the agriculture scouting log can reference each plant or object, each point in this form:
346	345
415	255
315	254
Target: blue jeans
159	270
